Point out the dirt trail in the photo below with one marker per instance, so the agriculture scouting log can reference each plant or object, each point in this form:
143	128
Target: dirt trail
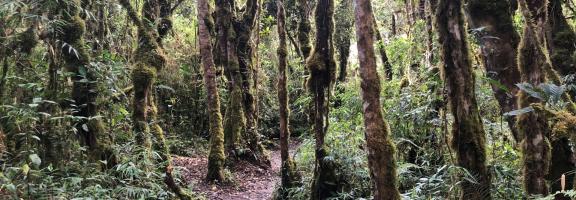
250	182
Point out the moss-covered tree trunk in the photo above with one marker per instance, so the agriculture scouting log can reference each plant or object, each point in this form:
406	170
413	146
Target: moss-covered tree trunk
149	60
498	43
381	50
322	69
84	90
234	118
216	157
561	42
304	27
244	28
468	137
343	35
381	161
430	9
533	126
288	166
235	54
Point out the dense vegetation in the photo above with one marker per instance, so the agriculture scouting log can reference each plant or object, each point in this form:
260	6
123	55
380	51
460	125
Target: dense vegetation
382	99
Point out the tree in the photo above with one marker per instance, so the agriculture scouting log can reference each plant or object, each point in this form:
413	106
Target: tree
304	27
216	157
493	24
84	90
468	138
380	148
533	126
288	166
380	45
151	60
322	69
343	35
561	40
235	54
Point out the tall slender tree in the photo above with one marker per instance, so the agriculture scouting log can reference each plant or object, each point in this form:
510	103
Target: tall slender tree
380	148
216	157
322	69
533	126
288	165
304	27
343	35
561	40
468	137
498	42
381	50
151	60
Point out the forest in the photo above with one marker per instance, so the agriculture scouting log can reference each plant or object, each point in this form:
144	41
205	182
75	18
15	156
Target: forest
288	99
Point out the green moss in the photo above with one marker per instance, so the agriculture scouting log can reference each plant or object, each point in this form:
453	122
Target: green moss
325	184
234	121
27	40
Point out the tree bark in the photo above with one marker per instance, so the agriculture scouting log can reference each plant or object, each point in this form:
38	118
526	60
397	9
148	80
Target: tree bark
468	137
150	60
84	90
288	166
343	35
498	43
244	30
561	40
216	157
380	45
304	27
381	161
322	69
235	49
533	126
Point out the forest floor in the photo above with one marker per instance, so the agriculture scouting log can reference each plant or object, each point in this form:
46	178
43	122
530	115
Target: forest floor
250	182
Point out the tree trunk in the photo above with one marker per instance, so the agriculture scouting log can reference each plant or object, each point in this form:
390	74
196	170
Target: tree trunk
288	166
381	161
151	60
304	27
342	36
235	49
561	40
217	157
429	12
234	118
468	137
382	50
244	29
322	70
498	43
533	126
84	90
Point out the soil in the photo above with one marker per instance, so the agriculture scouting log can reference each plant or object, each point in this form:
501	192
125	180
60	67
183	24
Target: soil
250	182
